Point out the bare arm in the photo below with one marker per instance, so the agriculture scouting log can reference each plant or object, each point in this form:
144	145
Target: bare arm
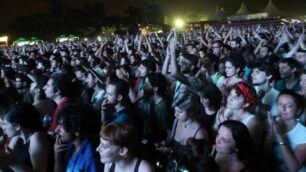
39	152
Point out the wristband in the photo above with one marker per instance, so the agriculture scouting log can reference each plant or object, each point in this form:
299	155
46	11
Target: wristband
282	143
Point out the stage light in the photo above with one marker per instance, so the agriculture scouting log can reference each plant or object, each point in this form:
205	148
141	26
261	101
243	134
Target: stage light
179	23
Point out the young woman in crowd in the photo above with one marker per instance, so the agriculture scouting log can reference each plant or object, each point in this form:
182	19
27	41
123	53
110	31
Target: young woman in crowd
234	69
239	106
232	150
211	99
118	149
186	124
286	139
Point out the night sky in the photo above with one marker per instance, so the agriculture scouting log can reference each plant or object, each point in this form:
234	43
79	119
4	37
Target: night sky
10	9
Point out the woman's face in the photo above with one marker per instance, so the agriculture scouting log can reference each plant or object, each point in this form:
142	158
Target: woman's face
180	114
132	59
205	101
286	107
234	101
123	61
109	153
221	68
303	81
230	69
225	143
9	129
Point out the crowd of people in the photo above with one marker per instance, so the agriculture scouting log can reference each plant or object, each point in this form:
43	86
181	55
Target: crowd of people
224	98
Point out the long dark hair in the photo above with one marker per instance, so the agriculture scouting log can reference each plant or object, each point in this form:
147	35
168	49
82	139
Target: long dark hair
243	141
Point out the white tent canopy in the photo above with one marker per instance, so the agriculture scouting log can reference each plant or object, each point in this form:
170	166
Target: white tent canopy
272	10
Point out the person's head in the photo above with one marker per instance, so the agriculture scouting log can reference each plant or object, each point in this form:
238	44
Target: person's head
210	96
157	83
42	64
217	48
209	61
20	117
117	92
233	137
301	57
134	59
8	72
186	107
37	84
303	80
195	150
77	122
242	96
202	52
117	142
220	66
90	80
80	73
56	62
289	104
123	61
188	63
234	65
62	85
264	52
288	67
21	81
235	44
262	73
146	67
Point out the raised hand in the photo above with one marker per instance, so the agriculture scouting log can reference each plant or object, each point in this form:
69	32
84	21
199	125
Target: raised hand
59	148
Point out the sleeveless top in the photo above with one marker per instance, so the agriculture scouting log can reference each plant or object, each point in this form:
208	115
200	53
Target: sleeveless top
22	152
136	169
247	119
173	143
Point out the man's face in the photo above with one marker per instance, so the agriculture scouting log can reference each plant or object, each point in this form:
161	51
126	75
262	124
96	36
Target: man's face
80	75
216	49
285	70
18	83
40	66
142	71
63	135
49	89
111	95
185	65
263	53
258	76
301	58
234	45
33	87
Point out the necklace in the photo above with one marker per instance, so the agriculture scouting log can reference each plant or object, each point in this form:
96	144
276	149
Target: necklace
187	124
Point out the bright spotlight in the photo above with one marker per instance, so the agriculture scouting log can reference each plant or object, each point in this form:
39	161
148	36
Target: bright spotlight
179	23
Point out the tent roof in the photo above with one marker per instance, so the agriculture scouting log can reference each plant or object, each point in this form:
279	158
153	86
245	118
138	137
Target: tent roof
272	10
219	14
243	10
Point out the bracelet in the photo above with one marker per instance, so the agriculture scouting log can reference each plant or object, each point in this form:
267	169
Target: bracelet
282	143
